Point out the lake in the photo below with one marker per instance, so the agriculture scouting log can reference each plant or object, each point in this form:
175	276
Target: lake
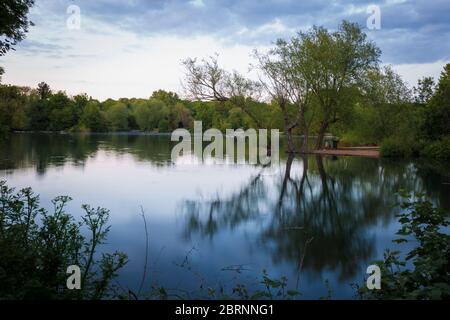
319	221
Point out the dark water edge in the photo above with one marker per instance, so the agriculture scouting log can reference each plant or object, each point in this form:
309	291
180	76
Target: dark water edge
214	225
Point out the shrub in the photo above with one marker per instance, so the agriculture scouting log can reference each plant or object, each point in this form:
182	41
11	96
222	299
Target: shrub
427	276
395	148
438	149
353	139
37	246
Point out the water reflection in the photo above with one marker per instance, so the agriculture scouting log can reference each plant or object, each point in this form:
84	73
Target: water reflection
308	217
321	210
55	150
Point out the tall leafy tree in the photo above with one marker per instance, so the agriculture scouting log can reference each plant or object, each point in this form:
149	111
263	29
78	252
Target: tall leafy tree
424	90
207	81
44	90
93	118
14	22
437	123
169	98
117	116
333	62
383	109
283	80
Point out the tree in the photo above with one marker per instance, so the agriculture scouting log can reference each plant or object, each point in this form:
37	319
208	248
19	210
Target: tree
380	109
62	112
437	115
207	81
332	62
286	85
14	108
14	23
169	98
93	118
44	90
117	116
424	90
142	115
181	116
149	114
158	115
2	71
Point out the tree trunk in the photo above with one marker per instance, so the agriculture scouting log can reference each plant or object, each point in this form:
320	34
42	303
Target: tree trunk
290	140
305	139
322	131
287	128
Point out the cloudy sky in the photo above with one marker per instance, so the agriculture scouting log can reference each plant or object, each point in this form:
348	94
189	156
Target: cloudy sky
129	48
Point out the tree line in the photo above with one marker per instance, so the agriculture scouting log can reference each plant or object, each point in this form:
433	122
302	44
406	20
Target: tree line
40	109
316	83
384	112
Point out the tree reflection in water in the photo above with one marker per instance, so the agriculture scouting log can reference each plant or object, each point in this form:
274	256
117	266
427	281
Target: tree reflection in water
312	214
320	210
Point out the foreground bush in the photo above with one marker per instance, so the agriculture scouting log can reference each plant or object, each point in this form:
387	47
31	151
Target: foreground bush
394	148
438	149
425	271
37	246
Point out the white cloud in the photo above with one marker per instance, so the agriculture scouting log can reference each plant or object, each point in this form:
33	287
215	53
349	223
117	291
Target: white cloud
105	59
411	72
106	62
197	3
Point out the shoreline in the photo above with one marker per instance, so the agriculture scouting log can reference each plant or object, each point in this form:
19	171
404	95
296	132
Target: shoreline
366	152
119	133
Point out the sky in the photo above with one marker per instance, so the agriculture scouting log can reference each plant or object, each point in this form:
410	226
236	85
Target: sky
130	48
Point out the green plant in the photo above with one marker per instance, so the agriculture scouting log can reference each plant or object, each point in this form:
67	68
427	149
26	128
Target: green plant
425	271
394	148
274	289
439	149
37	247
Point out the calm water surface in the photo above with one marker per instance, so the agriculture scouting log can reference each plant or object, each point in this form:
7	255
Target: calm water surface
311	219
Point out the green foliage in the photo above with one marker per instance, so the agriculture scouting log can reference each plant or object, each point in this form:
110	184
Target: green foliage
62	114
396	148
319	82
93	118
43	90
424	90
334	64
381	111
273	289
438	149
117	117
13	111
437	112
143	116
425	271
270	289
13	22
168	98
353	138
37	246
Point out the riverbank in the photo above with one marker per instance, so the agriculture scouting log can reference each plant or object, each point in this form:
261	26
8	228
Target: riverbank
123	133
368	152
